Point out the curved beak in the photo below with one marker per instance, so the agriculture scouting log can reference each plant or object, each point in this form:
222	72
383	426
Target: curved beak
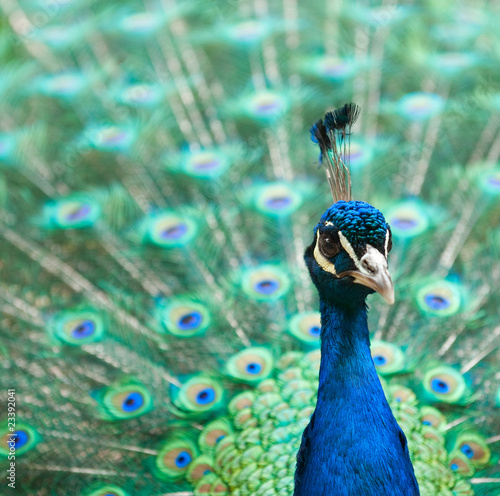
372	271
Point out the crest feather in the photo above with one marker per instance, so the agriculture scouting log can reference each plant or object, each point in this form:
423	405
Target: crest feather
332	134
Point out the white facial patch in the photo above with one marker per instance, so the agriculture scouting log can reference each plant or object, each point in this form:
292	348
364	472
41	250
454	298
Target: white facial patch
349	249
323	262
386	242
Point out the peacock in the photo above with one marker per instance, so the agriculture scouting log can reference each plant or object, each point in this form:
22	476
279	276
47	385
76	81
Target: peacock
159	260
352	434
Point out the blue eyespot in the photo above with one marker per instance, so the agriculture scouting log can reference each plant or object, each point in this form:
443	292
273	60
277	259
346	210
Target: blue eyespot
454	466
315	331
79	213
278	202
83	330
190	321
267	107
219	439
403	223
207	164
205	396
436	302
207	471
379	360
21	438
267	287
174	232
439	386
494	181
254	368
133	402
426	422
467	451
183	459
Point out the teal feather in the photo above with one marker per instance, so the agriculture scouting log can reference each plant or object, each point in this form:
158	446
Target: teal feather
157	193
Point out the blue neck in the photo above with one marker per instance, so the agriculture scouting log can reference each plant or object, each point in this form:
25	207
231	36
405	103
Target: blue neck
353	442
345	349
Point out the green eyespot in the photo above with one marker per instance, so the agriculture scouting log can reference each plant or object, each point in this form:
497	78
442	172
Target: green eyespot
213	433
199	394
440	298
474	447
125	400
263	107
108	490
265	283
277	199
169	230
184	318
458	462
206	164
251	365
306	327
387	357
110	138
201	466
17	439
76	327
408	218
175	457
445	384
71	213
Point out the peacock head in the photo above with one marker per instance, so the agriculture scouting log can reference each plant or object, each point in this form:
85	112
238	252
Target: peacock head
347	259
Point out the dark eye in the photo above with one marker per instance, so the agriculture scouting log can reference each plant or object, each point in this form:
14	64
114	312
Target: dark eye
389	244
329	245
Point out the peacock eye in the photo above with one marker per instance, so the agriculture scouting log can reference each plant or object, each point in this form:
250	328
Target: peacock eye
329	245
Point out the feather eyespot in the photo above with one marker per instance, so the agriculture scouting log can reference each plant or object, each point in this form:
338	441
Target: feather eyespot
461	464
277	199
206	164
108	490
267	105
175	457
23	439
440	298
125	400
251	365
432	417
203	465
445	384
199	394
77	327
474	447
168	229
214	433
387	357
329	244
265	283
489	181
72	213
184	317
83	329
306	326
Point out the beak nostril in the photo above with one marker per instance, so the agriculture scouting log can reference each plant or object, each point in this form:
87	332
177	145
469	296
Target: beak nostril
368	266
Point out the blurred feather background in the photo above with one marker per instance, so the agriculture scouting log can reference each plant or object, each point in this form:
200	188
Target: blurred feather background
157	190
